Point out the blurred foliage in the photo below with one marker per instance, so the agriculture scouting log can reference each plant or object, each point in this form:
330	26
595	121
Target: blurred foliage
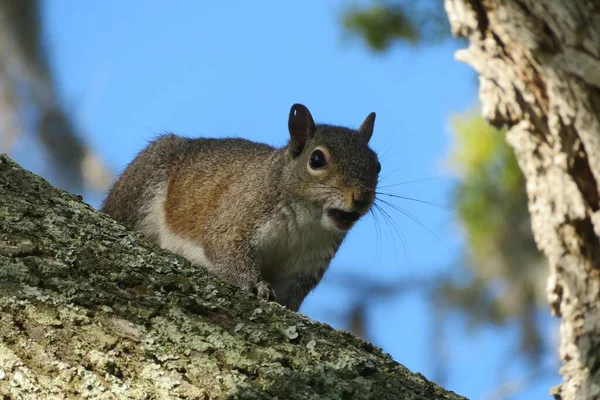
502	276
507	274
386	22
30	106
492	195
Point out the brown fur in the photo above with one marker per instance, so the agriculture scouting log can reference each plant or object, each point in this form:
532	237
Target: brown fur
226	197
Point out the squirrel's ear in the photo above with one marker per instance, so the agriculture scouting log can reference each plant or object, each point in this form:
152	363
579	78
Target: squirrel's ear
302	128
366	128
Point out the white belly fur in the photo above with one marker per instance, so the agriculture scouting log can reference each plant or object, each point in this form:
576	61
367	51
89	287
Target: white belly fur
154	226
295	241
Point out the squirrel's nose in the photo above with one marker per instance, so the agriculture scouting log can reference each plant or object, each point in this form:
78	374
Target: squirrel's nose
361	198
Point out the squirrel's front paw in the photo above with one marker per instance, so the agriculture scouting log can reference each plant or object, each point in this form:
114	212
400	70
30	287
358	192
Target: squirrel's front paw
263	290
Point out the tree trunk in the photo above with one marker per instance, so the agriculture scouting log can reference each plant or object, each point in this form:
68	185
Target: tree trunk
539	72
91	310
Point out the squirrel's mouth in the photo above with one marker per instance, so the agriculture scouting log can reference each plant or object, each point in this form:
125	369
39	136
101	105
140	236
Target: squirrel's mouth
343	220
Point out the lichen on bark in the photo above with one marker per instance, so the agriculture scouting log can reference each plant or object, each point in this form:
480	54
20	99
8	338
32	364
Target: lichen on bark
89	309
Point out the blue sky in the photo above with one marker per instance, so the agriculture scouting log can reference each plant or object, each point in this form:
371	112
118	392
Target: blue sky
130	70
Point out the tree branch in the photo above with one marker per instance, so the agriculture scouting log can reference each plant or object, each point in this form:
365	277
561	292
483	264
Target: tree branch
88	308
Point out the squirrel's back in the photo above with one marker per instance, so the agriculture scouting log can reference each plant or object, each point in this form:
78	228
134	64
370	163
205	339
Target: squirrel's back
134	187
170	154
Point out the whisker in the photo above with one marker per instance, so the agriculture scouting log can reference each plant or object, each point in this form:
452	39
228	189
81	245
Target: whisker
384	146
414	219
389	173
392	224
387	148
442	206
321	184
412	181
387	155
377	236
386	220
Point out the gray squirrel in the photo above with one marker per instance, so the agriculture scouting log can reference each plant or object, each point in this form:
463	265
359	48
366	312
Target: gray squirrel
268	220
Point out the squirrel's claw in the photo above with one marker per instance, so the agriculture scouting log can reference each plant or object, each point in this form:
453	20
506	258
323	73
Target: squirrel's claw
263	290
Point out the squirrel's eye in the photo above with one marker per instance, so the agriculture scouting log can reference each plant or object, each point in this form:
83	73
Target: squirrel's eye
378	167
318	160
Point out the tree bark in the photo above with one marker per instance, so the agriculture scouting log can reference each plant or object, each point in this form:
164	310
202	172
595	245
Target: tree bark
539	72
89	309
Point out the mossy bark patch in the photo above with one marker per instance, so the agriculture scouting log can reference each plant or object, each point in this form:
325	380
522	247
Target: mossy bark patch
89	309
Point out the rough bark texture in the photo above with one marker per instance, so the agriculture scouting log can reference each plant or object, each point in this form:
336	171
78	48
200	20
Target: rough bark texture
539	73
91	310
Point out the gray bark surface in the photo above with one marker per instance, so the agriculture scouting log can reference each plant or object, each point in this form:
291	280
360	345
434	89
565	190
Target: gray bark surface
89	309
539	73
